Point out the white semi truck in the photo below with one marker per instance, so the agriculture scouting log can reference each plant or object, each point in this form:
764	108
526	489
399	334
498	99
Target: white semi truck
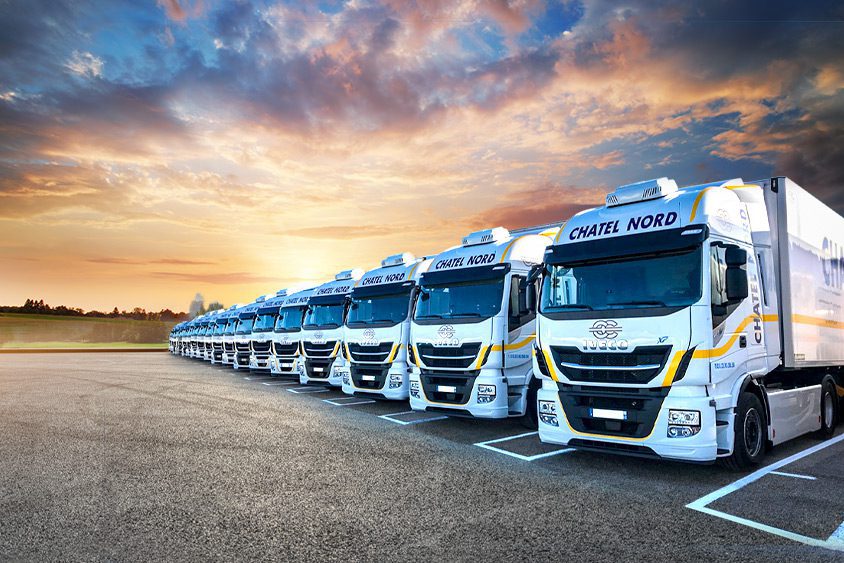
220	323
260	340
287	334
206	345
243	333
322	330
473	328
378	328
228	338
694	324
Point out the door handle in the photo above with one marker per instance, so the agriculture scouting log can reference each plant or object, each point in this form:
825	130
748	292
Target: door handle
742	341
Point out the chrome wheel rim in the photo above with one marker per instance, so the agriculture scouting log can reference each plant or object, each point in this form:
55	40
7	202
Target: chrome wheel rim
753	432
828	409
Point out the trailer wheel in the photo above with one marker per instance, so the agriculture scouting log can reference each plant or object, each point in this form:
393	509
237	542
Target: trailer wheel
829	410
531	418
750	428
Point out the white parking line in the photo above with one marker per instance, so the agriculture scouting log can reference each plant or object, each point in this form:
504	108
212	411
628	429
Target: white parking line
308	390
274	383
408	422
701	504
795	475
487	446
347	401
838	535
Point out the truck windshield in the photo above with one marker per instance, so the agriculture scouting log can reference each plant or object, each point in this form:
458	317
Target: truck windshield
289	319
324	316
219	328
670	280
478	299
379	310
264	322
244	326
230	326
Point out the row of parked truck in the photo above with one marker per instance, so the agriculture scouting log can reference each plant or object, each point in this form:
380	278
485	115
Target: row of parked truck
695	324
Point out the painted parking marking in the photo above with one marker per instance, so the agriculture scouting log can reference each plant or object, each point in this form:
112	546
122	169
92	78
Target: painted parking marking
834	542
347	401
274	383
411	417
307	390
488	445
795	475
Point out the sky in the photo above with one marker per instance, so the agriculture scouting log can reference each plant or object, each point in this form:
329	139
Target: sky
152	150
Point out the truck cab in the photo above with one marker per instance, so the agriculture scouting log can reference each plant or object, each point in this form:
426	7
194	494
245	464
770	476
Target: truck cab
287	332
260	341
243	333
473	329
207	335
661	325
173	339
228	335
378	328
217	330
323	330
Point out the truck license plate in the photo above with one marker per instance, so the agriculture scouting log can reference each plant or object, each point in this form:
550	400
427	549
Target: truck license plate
318	369
446	388
607	413
368	377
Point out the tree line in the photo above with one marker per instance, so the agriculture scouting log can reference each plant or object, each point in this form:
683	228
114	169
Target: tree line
37	306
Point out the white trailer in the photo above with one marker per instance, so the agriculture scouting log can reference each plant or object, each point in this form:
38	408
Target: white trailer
695	324
473	327
378	328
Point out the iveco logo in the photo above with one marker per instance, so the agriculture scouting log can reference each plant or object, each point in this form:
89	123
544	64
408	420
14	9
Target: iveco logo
318	335
369	334
605	329
446	331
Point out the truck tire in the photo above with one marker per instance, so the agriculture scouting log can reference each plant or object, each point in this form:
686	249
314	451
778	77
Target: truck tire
750	429
531	418
830	414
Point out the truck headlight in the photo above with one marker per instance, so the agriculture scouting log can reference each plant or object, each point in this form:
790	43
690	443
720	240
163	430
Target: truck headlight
347	380
684	418
547	407
414	389
486	393
683	424
396	380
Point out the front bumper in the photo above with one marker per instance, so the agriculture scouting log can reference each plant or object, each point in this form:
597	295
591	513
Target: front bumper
334	376
284	366
259	361
701	447
498	407
395	387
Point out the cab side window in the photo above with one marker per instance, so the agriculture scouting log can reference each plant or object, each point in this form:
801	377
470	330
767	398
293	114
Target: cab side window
519	312
721	306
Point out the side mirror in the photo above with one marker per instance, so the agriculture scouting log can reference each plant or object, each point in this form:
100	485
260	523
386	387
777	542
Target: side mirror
736	279
534	274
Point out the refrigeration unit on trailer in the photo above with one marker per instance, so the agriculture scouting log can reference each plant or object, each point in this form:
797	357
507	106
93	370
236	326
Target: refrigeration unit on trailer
243	333
323	330
260	341
378	328
473	327
220	323
287	333
693	324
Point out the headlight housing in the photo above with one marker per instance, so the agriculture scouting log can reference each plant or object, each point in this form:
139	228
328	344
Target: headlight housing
486	393
683	423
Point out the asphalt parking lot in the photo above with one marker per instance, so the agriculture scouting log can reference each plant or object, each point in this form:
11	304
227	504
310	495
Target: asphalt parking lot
152	457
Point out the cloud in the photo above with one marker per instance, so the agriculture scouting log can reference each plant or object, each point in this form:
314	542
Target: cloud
221	278
549	203
140	262
85	64
181	10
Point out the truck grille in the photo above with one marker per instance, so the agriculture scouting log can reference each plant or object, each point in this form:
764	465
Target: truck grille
362	376
462	382
242	347
285	349
641	405
319	350
313	365
639	366
218	346
261	347
375	354
229	346
449	356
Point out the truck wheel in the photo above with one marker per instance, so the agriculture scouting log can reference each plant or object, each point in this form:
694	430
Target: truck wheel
531	418
829	410
750	429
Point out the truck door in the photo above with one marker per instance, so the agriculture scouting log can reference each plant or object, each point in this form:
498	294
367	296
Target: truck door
737	337
521	326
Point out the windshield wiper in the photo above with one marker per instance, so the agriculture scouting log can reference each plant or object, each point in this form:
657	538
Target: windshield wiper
431	316
643	303
573	306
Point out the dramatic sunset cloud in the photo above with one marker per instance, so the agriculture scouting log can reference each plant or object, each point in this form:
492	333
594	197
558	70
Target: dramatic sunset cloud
150	150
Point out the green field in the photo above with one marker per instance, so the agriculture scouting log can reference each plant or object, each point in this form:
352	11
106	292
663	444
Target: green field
21	331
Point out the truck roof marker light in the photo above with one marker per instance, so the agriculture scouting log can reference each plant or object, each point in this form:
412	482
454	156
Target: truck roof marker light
498	234
499	267
642	191
695	231
403	259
